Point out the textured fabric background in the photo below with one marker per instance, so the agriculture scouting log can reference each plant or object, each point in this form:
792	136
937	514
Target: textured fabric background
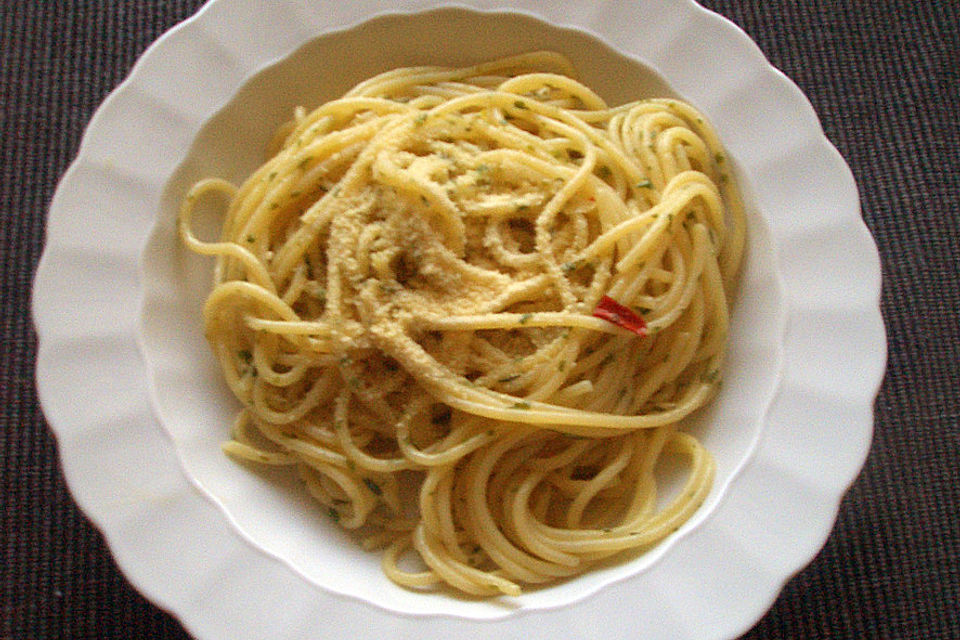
884	77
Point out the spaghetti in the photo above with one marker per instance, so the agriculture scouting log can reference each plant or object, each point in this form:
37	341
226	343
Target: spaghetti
486	289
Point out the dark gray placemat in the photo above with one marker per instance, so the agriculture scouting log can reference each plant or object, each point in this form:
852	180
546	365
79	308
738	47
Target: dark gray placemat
884	78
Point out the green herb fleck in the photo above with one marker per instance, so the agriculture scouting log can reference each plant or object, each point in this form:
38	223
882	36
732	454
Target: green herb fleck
646	184
420	119
373	486
509	378
604	171
569	267
520	104
251	239
388	287
334	514
245	355
520	405
525	317
718	158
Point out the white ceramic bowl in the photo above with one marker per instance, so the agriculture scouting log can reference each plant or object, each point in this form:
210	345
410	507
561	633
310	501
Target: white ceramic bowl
129	387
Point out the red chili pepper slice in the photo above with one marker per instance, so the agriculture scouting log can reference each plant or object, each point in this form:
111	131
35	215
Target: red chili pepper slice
612	311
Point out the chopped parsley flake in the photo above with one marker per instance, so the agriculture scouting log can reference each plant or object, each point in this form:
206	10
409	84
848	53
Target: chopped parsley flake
373	486
710	376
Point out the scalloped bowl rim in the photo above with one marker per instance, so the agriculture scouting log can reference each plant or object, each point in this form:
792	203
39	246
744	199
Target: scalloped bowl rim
79	456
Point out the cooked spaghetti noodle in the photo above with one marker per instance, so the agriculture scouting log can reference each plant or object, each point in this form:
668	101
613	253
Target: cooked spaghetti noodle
486	289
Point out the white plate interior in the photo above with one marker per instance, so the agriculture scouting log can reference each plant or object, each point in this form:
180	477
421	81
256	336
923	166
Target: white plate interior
270	509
